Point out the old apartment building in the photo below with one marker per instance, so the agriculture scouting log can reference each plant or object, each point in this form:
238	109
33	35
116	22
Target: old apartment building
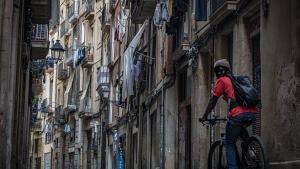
23	40
135	77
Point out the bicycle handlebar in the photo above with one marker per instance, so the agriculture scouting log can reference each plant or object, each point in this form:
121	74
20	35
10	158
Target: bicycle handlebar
212	121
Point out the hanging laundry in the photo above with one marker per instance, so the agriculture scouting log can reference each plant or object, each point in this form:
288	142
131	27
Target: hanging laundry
39	106
165	11
157	18
67	128
128	62
161	13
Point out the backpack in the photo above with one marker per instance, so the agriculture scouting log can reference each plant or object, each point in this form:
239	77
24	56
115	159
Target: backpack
246	94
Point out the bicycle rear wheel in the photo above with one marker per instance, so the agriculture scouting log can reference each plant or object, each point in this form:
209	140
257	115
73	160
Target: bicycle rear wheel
254	154
217	156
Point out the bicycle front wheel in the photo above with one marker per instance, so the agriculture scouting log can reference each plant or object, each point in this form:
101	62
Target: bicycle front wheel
217	156
254	154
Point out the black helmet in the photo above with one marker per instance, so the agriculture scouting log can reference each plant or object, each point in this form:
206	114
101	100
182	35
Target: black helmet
222	67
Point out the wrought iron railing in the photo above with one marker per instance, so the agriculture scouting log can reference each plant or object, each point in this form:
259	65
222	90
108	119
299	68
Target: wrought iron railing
59	114
86	105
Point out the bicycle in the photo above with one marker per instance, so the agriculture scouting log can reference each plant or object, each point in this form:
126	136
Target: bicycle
252	155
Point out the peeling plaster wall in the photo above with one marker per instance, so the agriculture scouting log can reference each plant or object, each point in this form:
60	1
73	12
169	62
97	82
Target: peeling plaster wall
280	45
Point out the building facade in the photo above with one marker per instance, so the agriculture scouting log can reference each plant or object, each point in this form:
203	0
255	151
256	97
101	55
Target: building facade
136	76
23	41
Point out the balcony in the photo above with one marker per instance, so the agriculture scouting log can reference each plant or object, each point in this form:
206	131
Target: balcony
71	102
85	107
64	28
39	41
220	9
141	10
88	60
41	10
87	9
103	82
62	73
59	115
105	20
37	86
49	65
73	12
37	126
46	106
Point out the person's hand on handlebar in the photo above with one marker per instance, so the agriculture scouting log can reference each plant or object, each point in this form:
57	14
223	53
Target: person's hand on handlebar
203	119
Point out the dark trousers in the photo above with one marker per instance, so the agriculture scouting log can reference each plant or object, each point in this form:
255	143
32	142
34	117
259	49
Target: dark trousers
233	130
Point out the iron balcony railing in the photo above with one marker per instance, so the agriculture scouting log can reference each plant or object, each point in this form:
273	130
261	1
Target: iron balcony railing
72	101
86	105
103	83
46	106
59	114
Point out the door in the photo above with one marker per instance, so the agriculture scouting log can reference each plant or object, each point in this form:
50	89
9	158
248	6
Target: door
184	141
256	78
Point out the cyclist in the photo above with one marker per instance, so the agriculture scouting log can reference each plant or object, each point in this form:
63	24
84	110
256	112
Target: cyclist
237	116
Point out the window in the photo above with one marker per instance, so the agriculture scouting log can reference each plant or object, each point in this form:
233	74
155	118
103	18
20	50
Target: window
117	95
134	155
36	145
58	97
178	33
48	137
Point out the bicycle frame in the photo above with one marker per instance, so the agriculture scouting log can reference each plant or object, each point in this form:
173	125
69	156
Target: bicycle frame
243	137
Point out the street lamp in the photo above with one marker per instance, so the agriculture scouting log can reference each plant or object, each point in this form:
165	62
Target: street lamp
57	51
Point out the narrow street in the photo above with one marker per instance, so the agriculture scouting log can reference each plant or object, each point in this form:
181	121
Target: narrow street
125	84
